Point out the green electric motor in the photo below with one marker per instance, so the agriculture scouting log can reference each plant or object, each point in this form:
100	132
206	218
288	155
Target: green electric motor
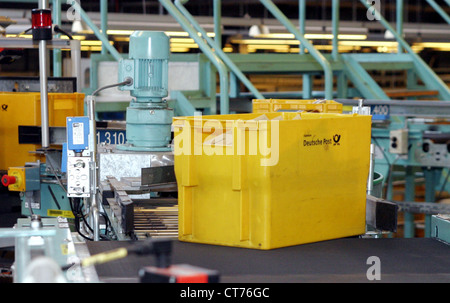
149	119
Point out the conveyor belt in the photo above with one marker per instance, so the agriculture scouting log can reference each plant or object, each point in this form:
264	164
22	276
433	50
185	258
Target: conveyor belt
341	260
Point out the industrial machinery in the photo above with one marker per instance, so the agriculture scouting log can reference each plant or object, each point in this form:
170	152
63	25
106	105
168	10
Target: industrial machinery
411	143
148	116
128	191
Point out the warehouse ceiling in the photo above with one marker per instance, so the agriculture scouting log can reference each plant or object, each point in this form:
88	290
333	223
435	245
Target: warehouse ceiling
351	10
422	24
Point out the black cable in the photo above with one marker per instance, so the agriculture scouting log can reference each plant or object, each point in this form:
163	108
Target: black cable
24	32
128	81
61	31
77	219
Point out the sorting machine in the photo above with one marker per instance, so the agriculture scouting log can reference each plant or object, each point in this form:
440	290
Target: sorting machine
128	192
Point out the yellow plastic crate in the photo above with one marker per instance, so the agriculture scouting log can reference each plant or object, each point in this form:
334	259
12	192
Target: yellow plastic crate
25	109
307	185
280	105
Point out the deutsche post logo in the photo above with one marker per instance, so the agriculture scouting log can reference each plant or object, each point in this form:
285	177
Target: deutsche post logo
336	139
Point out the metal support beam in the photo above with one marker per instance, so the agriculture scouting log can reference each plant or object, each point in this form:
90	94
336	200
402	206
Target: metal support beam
96	31
314	52
307	87
104	22
431	179
428	76
230	64
217	22
409	228
439	10
399	20
335	30
409	108
218	63
57	60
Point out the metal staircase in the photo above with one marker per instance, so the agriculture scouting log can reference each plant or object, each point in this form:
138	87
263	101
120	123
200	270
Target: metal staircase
352	70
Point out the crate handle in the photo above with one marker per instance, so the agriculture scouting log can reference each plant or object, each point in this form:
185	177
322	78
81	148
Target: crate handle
187	210
239	184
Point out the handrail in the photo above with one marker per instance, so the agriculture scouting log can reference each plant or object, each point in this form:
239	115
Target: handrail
96	31
399	21
217	12
441	86
439	10
306	85
218	49
218	63
104	21
315	53
57	57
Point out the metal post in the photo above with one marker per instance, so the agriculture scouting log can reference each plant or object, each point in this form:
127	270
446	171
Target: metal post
301	20
94	170
75	55
399	10
104	21
43	74
57	64
371	170
217	22
409	228
335	20
430	195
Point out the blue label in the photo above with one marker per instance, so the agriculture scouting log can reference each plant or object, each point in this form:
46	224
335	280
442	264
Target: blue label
78	133
380	112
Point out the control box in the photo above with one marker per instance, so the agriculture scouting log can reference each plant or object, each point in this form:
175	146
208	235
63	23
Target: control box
78	153
398	141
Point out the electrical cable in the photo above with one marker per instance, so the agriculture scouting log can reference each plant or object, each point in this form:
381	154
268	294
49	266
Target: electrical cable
128	81
24	32
77	219
57	29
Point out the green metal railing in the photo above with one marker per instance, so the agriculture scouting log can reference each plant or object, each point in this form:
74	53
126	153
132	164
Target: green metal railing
101	36
218	63
428	76
439	10
217	48
276	12
431	80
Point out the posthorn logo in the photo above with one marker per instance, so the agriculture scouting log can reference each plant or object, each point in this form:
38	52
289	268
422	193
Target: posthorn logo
336	139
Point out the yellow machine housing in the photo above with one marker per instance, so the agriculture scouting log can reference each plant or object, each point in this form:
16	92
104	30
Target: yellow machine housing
25	109
315	191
